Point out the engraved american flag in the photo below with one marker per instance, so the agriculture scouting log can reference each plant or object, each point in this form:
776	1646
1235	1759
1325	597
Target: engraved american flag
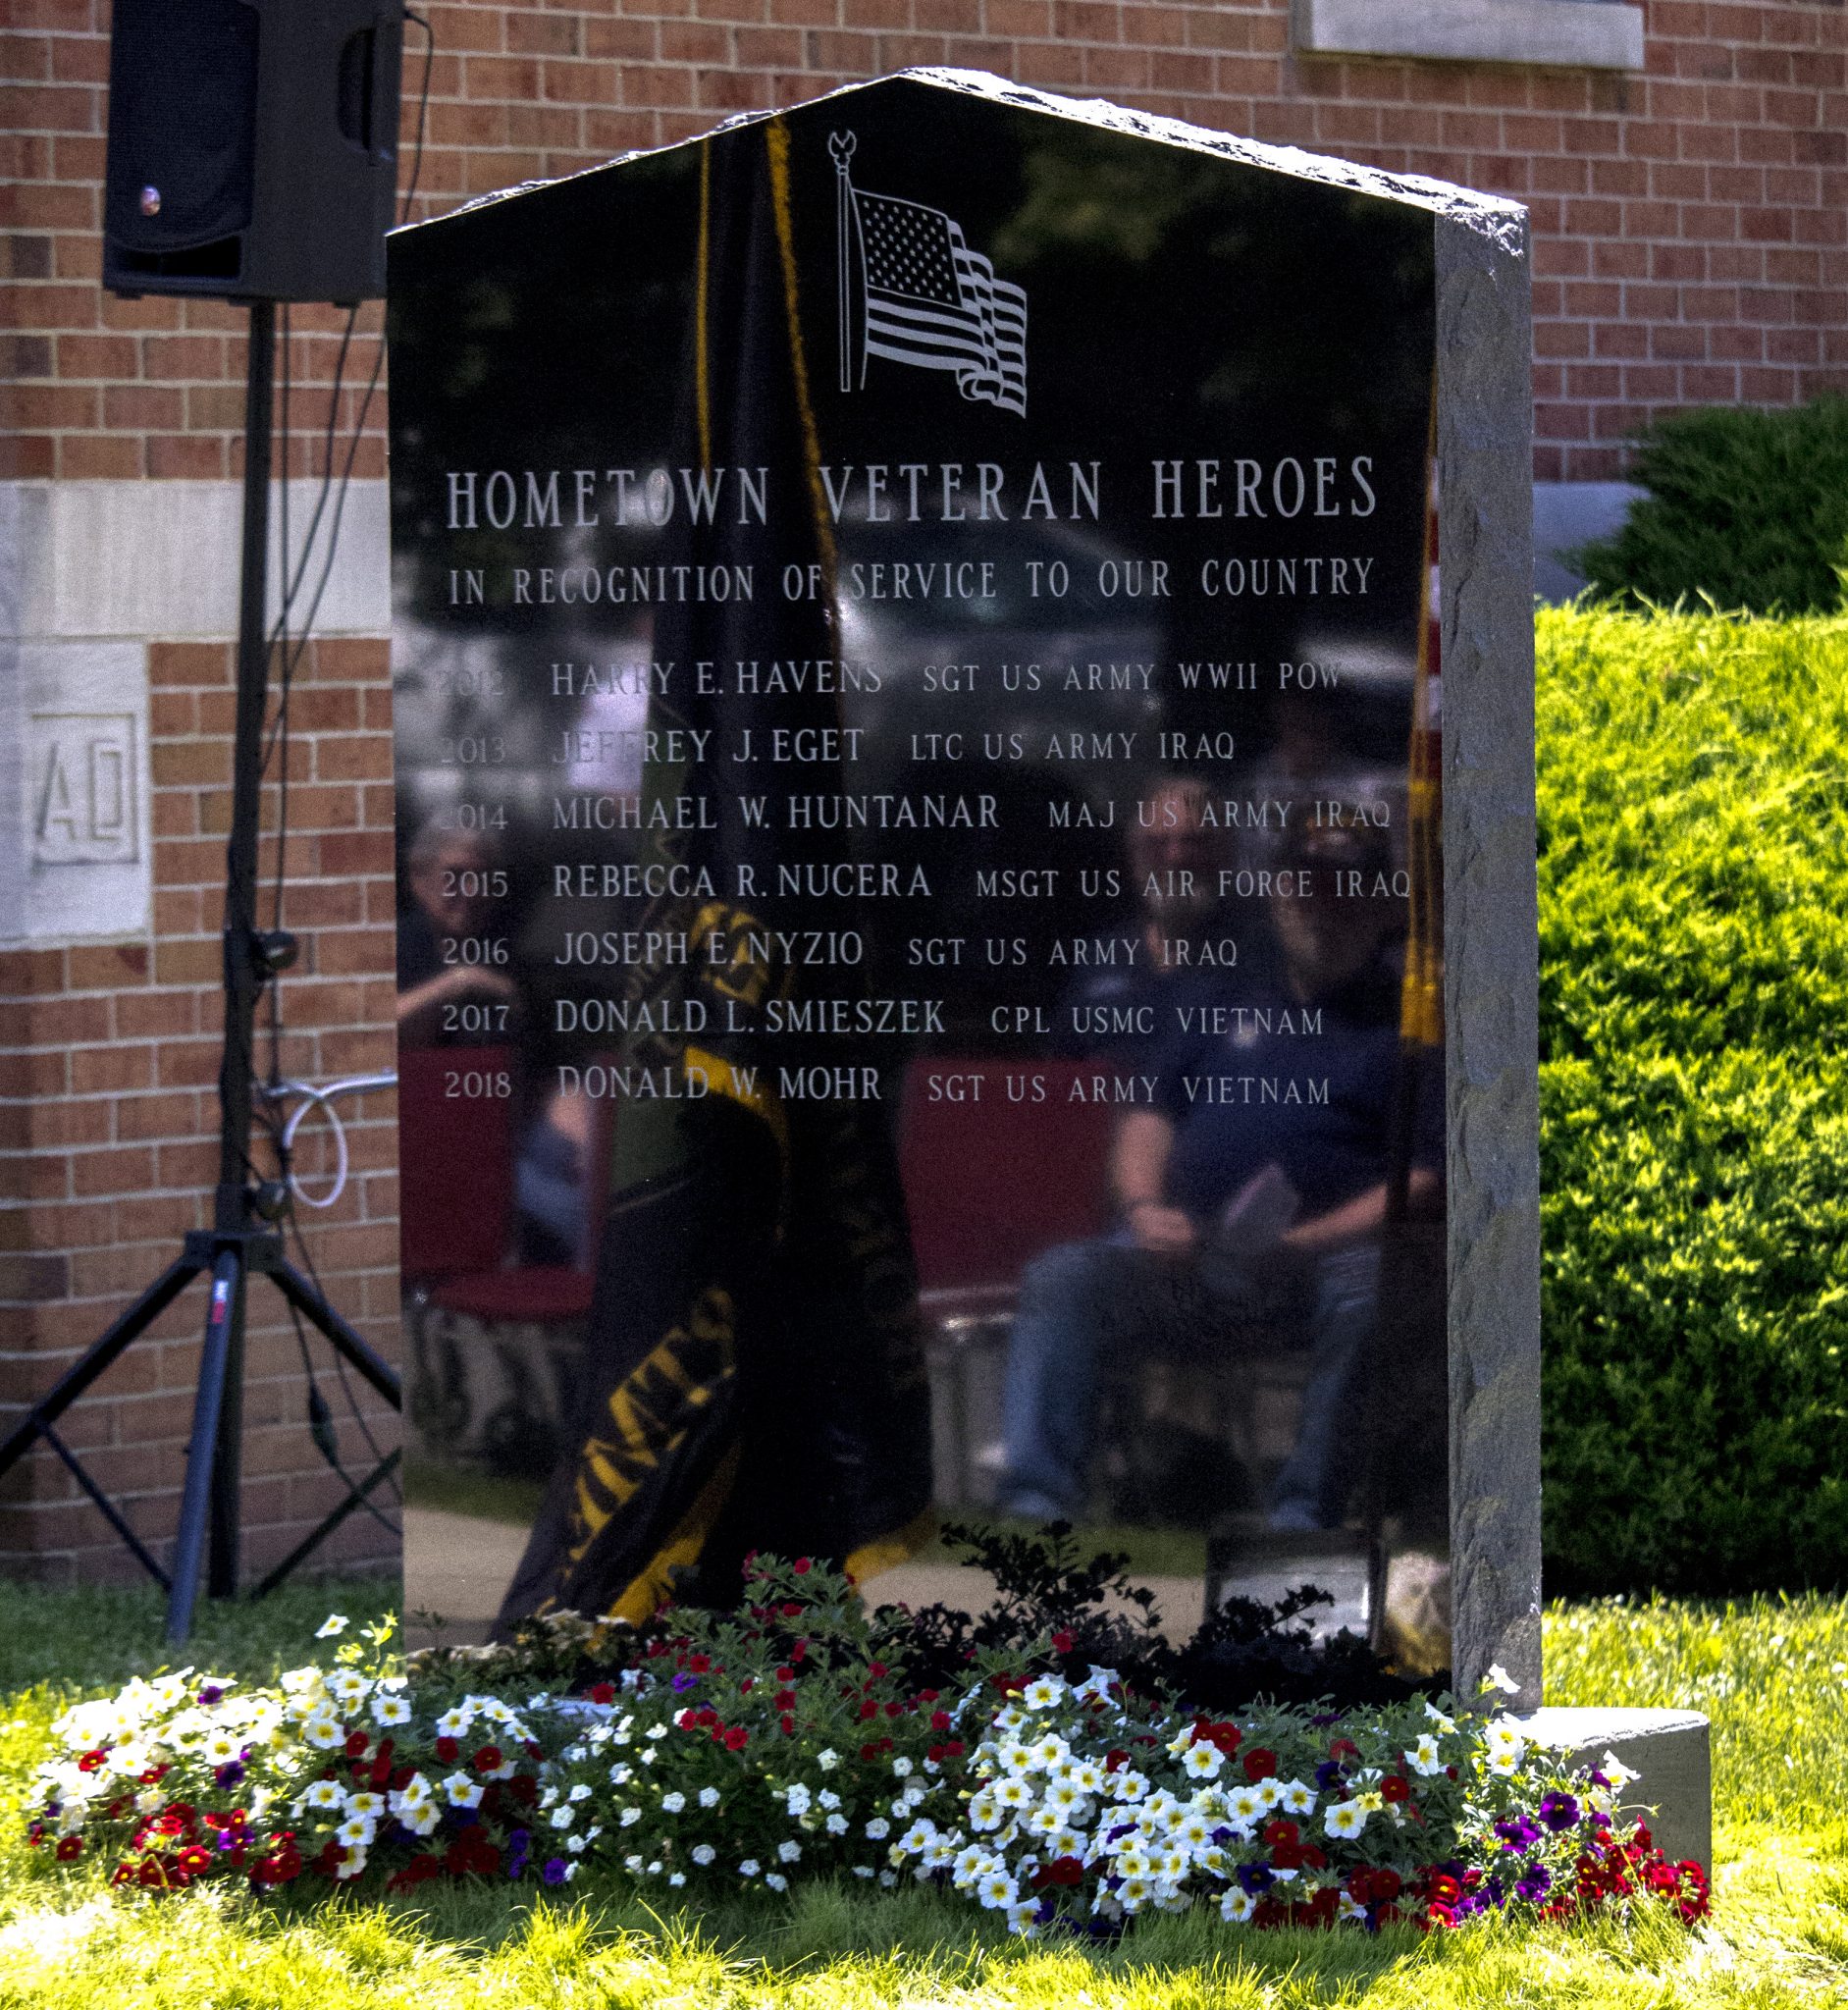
931	302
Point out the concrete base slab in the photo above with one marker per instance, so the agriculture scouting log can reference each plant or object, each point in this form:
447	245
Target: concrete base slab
1670	1752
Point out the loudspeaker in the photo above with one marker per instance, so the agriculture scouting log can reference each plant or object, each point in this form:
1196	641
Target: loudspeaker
253	147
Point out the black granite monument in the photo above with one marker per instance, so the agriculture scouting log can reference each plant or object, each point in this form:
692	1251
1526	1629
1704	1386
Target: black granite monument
950	956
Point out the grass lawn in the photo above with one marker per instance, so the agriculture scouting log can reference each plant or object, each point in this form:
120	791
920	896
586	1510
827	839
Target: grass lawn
1774	1676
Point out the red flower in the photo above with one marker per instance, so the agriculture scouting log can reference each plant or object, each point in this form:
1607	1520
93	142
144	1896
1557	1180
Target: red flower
699	1664
1281	1831
90	1761
785	1674
1260	1763
895	1710
1063	1871
802	1568
1395	1788
1113	1760
784	1699
736	1738
524	1788
1061	1641
868	1709
602	1692
875	1669
788	1724
357	1744
381	1764
449	1750
939	1719
70	1847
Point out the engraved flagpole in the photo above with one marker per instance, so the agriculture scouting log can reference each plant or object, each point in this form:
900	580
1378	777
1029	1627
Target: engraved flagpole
842	146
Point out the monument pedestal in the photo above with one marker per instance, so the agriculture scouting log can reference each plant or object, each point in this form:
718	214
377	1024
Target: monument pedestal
1670	1750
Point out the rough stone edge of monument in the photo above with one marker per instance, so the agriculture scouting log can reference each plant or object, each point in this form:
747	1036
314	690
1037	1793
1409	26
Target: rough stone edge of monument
1490	215
1670	1751
1491	970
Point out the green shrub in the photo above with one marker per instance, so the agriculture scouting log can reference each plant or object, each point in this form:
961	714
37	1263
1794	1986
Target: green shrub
1749	508
1694	1100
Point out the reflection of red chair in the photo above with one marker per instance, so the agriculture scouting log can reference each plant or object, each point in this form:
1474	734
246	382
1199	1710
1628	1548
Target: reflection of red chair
455	1165
990	1183
457	1213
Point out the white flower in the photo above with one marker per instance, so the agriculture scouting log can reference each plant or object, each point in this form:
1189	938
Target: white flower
323	1733
629	1818
789	1852
657	1731
356	1831
889	1878
220	1748
1616	1772
702	1854
372	1806
350	1686
1437	1716
462	1792
1130	1786
325	1793
390	1710
670	1804
900	1768
827	1798
1044	1693
708	1797
679	1877
1022	1919
749	1868
620	1775
1424	1758
995	1888
1297	1797
580	1792
1345	1819
1504	1740
563	1818
1049	1751
836	1823
777	1880
454	1723
878	1828
828	1761
863	1869
1204	1761
1237	1906
1499	1678
423	1819
335	1623
795	1798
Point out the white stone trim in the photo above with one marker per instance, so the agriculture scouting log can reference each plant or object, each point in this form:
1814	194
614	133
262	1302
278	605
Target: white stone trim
158	560
1579	34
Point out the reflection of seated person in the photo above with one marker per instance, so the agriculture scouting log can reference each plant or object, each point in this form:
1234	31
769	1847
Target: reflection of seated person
1234	1208
551	1182
446	872
1173	861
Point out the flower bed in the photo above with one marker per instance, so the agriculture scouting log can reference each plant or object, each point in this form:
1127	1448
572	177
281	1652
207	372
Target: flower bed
788	1742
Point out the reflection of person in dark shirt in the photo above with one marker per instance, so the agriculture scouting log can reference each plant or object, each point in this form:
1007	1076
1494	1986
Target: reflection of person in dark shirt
448	873
1263	1164
1173	949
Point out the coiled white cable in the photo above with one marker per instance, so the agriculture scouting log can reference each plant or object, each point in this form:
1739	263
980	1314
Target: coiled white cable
322	1098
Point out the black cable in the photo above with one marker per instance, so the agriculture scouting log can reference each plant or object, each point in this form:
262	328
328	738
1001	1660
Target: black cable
289	660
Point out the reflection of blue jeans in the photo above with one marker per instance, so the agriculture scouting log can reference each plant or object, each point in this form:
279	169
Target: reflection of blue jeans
1085	1303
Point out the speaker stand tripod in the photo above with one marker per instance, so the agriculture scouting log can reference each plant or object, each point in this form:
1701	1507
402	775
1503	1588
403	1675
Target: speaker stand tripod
242	1242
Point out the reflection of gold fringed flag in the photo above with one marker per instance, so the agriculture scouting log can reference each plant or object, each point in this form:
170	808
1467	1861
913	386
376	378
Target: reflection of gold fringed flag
1421	997
754	1374
1422	1011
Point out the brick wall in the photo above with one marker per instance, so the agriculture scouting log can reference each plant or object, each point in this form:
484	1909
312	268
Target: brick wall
1691	223
1691	245
108	1122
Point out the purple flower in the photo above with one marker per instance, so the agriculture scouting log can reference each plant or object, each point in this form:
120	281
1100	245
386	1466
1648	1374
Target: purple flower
1327	1775
683	1682
1559	1811
553	1873
230	1774
1518	1834
210	1694
1535	1882
1255	1878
